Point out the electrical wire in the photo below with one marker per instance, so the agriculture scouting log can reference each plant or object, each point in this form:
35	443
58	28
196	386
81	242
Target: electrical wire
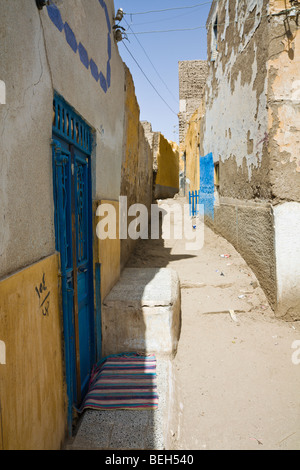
158	74
196	27
149	80
169	9
185	121
170	30
169	18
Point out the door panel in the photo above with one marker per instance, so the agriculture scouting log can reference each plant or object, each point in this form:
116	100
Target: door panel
63	232
71	175
84	267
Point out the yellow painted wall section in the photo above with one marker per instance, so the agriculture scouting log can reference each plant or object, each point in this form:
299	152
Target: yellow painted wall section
278	5
32	387
136	174
131	151
108	251
192	153
168	164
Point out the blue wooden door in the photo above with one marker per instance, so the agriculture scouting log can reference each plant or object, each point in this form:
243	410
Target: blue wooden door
73	227
84	267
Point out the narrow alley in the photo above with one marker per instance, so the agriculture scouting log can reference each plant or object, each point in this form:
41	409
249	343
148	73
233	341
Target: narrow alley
149	248
235	385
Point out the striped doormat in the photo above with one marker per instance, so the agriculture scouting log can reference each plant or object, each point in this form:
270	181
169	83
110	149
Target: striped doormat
125	381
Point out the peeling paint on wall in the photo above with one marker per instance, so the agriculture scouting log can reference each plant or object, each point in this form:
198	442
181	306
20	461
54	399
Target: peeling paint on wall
249	120
284	106
232	85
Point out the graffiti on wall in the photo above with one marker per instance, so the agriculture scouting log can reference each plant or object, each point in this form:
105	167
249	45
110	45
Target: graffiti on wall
44	296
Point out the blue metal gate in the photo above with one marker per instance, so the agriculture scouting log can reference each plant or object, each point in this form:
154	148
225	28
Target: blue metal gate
194	201
73	226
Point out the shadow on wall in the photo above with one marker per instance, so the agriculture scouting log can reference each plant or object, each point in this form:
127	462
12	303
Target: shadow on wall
165	167
144	283
142	314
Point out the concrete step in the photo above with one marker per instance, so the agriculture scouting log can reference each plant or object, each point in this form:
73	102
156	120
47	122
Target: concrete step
128	429
142	313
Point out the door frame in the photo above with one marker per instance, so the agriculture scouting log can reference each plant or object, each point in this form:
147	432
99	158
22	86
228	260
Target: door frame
70	134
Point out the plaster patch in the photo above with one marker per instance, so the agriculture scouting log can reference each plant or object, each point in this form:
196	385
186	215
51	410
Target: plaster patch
2	353
2	92
242	18
295	90
287	138
182	106
227	21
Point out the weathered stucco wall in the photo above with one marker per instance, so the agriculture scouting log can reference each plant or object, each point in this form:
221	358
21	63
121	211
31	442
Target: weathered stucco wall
26	234
148	132
284	104
70	50
235	129
137	174
192	150
145	170
192	79
284	147
166	163
32	389
252	98
236	122
59	53
251	125
101	105
166	167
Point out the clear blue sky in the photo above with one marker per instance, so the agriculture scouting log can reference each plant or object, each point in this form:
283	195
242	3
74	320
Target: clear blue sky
165	50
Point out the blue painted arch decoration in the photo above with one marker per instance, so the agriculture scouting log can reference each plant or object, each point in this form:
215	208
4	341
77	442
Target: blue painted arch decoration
103	77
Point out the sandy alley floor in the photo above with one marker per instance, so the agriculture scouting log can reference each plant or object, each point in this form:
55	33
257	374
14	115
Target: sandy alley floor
235	385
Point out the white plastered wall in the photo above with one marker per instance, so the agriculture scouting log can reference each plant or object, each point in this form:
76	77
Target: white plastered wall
287	246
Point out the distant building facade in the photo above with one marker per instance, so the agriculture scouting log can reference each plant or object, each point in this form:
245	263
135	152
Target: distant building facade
192	80
165	164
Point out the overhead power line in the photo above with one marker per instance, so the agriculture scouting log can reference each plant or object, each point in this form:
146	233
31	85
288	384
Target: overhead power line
145	75
146	54
169	18
196	27
169	9
170	30
149	81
